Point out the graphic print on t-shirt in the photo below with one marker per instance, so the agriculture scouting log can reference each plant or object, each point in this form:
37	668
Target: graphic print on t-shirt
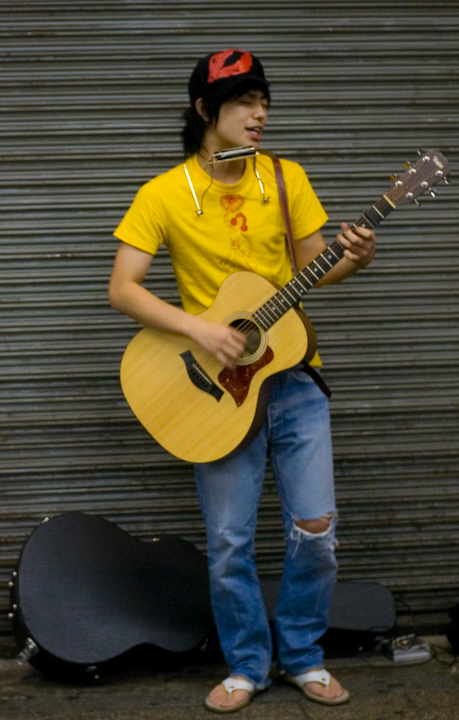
240	245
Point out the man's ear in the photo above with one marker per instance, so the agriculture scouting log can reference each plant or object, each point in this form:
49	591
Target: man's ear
199	105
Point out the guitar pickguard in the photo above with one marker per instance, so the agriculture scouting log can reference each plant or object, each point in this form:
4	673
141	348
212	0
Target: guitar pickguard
237	381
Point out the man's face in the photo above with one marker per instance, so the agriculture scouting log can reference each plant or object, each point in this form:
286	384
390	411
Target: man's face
241	120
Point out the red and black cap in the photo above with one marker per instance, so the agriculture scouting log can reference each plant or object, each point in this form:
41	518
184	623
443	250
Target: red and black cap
217	74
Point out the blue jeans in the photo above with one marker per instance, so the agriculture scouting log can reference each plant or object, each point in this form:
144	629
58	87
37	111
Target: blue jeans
296	437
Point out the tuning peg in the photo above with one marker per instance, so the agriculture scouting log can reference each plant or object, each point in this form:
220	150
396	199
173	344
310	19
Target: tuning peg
411	169
416	202
447	181
432	192
394	176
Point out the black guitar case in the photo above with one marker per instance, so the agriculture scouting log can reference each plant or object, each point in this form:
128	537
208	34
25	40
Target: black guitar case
360	614
85	592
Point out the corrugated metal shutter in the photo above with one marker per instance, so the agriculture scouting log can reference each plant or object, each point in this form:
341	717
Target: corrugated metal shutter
91	98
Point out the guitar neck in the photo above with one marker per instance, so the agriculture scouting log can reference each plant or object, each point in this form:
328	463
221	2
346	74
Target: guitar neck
291	294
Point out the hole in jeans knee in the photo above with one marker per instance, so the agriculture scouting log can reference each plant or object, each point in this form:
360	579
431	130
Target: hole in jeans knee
317	526
319	530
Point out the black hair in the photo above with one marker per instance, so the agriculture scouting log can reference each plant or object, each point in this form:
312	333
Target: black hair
195	126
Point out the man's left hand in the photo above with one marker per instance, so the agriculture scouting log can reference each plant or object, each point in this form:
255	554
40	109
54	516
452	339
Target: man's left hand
359	244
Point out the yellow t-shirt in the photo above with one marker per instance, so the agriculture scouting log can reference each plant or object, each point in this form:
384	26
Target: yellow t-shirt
237	230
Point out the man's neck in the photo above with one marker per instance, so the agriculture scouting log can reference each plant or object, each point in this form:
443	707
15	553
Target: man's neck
228	173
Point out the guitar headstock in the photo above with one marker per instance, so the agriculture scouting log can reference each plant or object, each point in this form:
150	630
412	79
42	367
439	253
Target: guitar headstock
431	167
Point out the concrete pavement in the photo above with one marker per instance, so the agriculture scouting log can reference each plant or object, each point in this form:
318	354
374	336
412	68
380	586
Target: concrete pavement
380	690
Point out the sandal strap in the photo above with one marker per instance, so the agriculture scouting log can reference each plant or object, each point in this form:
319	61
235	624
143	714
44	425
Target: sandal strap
319	676
232	684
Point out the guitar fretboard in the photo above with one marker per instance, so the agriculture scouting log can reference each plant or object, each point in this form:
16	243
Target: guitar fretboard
293	292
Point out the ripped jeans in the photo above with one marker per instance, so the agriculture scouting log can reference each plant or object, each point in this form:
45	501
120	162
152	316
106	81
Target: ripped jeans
296	436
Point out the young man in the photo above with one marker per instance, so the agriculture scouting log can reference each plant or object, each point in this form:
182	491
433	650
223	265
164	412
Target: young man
216	219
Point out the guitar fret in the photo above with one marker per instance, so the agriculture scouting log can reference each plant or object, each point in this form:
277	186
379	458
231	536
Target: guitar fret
261	321
303	275
340	253
325	259
323	268
317	264
305	289
373	215
268	309
383	206
295	300
289	301
274	301
261	318
292	285
284	300
370	219
310	277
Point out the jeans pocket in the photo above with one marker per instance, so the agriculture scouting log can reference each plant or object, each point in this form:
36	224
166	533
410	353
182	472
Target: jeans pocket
301	376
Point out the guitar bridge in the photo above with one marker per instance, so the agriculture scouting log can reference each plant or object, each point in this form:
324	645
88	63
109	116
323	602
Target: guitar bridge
199	377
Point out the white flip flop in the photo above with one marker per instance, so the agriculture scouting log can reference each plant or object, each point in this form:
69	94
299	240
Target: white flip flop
230	685
318	676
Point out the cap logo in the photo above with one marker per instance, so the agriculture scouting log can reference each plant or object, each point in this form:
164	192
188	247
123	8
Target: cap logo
228	63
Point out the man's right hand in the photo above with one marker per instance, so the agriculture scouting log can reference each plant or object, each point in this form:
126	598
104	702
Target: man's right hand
223	342
128	295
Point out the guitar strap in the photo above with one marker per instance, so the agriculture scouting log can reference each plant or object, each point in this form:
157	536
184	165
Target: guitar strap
284	206
313	374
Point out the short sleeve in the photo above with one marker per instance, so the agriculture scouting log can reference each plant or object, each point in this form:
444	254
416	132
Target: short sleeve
306	212
144	225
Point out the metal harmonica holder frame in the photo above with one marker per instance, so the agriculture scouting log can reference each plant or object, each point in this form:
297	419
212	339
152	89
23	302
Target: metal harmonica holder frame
239	153
246	151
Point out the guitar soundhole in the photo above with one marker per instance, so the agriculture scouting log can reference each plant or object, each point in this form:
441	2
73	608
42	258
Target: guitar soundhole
252	333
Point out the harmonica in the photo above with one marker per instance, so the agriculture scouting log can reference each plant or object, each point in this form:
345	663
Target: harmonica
233	154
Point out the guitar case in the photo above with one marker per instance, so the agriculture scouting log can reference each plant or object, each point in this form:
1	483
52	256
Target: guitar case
360	614
85	592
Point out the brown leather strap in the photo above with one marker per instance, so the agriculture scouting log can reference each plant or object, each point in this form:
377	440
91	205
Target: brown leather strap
284	206
317	377
313	374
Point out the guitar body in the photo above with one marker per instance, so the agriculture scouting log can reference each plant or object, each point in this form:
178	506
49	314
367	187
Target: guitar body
85	592
203	422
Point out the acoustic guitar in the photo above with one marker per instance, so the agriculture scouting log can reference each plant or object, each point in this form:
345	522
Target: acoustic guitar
201	411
